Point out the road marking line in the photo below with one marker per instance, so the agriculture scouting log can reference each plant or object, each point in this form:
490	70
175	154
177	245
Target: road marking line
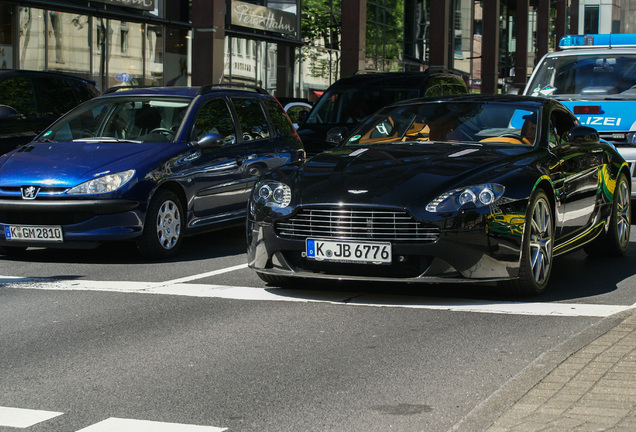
339	297
204	275
23	418
114	424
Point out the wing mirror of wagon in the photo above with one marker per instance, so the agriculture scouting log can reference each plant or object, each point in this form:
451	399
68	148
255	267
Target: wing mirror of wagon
336	135
582	135
211	141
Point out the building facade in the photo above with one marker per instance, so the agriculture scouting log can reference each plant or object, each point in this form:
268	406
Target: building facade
293	47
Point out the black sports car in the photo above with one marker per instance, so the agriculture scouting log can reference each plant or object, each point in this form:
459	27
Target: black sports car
454	189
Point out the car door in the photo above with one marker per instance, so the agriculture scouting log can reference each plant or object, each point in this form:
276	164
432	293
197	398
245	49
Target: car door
579	165
219	188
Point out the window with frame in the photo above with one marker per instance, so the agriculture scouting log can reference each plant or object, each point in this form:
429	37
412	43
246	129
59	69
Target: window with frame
252	118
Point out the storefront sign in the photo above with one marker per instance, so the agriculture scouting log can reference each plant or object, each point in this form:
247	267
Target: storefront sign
263	18
136	4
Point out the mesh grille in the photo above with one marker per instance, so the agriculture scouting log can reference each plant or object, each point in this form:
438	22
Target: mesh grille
343	224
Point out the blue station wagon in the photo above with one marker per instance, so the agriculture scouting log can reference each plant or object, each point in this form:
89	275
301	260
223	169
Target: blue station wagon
149	164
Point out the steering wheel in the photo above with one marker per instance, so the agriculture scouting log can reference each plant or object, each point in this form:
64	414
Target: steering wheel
163	131
513	136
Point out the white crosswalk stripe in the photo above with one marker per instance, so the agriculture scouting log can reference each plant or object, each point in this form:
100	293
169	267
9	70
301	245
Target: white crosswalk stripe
176	287
23	418
128	425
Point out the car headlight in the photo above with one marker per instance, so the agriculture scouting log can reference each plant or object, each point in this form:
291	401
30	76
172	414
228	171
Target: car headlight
272	194
480	195
103	184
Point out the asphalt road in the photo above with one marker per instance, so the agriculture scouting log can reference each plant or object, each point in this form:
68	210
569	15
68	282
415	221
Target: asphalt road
100	340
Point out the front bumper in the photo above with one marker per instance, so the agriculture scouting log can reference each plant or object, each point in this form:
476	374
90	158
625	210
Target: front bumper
84	223
472	248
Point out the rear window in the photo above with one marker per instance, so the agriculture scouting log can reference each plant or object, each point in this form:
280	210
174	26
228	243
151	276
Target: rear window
54	96
353	105
281	123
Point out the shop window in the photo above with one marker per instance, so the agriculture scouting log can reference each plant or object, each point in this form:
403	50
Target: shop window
32	35
68	44
6	36
176	58
123	38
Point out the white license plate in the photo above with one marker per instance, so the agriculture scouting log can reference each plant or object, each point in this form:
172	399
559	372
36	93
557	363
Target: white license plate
43	233
347	251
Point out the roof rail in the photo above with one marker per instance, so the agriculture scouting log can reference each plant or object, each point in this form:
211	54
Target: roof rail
125	87
210	87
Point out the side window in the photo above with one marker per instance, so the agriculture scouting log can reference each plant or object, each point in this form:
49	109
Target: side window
54	96
252	118
82	92
17	93
214	117
560	123
282	125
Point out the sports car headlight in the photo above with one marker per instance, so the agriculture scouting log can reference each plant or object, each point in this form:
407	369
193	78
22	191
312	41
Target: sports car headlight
272	194
480	195
103	184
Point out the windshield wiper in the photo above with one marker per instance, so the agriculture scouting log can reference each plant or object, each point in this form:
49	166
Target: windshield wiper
106	139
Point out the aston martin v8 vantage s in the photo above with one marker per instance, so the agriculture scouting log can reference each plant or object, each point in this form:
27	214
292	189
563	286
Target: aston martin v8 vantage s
465	188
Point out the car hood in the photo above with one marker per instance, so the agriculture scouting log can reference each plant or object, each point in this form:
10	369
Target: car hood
402	176
68	164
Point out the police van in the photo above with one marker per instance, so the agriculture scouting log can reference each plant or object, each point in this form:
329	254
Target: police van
595	77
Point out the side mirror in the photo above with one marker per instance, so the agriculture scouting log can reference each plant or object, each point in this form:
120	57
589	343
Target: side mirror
211	141
581	135
336	135
8	113
302	117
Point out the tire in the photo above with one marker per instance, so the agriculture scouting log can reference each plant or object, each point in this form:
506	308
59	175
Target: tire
536	248
163	229
280	281
615	241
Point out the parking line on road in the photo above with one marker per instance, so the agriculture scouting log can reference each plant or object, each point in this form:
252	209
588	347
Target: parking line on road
128	425
23	418
335	297
204	275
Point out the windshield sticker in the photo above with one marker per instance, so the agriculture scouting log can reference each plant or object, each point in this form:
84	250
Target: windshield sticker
48	133
355	138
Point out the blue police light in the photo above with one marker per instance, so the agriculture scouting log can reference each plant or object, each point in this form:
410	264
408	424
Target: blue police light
598	41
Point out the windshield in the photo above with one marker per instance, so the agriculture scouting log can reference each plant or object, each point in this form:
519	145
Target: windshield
586	75
472	122
353	105
117	119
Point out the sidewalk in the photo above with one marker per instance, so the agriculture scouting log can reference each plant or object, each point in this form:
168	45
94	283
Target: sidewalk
588	384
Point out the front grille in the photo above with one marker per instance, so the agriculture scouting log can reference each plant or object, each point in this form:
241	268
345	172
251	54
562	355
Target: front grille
42	218
356	224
